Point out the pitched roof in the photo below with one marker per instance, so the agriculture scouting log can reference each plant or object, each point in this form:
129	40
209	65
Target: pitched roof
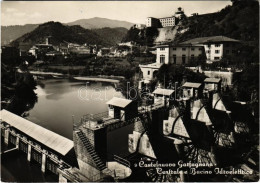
212	80
165	92
119	102
212	39
191	85
50	139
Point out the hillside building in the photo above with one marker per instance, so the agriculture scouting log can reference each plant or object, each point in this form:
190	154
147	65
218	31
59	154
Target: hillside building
179	13
39	50
181	54
216	47
160	22
165	21
139	26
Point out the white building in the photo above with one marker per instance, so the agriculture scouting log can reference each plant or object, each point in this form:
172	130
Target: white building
216	47
160	22
181	54
168	21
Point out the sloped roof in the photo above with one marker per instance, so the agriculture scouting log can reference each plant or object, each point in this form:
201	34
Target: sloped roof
119	102
191	85
165	92
212	39
50	139
212	80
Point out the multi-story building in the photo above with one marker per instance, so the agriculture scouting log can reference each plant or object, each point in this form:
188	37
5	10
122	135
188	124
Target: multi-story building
181	54
153	22
167	21
160	22
178	54
216	47
188	52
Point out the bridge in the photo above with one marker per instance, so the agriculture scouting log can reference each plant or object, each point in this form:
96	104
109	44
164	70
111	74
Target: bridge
41	145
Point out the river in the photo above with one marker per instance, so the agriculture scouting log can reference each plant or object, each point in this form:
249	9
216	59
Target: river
60	101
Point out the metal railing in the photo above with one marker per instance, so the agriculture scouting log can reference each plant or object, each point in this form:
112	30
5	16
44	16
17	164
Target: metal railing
95	117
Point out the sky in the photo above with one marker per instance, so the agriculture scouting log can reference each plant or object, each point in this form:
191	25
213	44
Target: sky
33	12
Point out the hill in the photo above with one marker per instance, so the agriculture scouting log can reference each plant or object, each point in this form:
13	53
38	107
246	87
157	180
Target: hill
13	32
10	33
239	21
97	23
74	34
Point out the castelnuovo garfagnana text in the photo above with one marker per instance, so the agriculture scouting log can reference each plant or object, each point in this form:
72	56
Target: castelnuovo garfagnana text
181	167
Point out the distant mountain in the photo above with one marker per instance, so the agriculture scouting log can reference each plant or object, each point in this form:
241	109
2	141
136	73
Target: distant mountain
75	34
96	23
10	33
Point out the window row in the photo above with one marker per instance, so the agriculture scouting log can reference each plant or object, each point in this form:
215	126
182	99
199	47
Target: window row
184	49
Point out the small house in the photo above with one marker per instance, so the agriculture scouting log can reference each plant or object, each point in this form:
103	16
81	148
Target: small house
212	84
192	90
122	109
163	95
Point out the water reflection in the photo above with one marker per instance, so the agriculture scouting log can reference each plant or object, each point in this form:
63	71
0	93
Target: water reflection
59	100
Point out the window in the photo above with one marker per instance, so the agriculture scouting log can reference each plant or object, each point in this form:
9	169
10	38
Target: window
233	51
200	49
216	51
174	59
192	49
217	45
183	59
192	57
162	59
162	49
174	48
183	49
148	73
227	45
208	51
216	58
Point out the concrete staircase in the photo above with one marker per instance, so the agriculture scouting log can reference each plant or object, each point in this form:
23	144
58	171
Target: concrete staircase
99	163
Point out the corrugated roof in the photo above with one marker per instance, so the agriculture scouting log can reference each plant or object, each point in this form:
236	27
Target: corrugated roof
212	80
50	139
213	39
192	85
161	91
119	102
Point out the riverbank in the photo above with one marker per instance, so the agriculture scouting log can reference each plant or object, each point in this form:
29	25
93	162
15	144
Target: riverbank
96	79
